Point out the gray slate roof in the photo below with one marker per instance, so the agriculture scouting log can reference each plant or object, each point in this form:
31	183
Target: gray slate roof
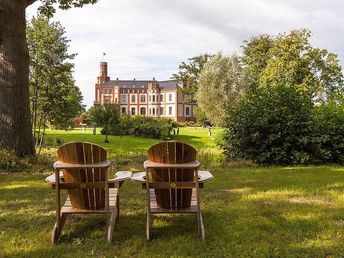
138	84
168	85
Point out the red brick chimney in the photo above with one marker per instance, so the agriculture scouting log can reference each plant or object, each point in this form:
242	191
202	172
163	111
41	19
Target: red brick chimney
103	73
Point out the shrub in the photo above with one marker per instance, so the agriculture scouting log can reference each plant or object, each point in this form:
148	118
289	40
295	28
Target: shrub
270	126
328	133
188	124
209	157
58	142
281	126
48	142
8	159
147	127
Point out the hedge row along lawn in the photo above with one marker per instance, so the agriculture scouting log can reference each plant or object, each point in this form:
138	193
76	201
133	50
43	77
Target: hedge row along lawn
248	211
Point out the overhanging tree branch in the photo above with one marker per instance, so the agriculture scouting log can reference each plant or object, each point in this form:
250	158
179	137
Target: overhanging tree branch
30	2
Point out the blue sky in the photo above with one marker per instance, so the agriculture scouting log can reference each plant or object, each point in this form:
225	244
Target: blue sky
146	39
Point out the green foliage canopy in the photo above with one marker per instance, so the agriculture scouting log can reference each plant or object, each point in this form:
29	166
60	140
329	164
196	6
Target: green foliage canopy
328	133
220	88
269	126
107	116
189	73
280	125
292	112
290	60
48	6
54	96
201	116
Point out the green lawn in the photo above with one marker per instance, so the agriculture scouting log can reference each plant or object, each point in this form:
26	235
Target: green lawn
248	212
197	137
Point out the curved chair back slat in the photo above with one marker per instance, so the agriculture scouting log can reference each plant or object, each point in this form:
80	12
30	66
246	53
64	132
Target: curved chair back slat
172	152
84	153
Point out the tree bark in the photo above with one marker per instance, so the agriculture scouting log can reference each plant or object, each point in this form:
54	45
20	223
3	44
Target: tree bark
15	124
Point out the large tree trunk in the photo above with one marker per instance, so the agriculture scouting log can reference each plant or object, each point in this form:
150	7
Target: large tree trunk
15	125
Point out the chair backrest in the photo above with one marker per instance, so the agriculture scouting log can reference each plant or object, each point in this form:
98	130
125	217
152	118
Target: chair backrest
172	152
84	153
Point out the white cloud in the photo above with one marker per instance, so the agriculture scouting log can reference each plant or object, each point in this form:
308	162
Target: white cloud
145	39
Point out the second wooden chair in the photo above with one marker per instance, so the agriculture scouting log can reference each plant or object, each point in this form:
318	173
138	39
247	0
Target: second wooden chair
172	180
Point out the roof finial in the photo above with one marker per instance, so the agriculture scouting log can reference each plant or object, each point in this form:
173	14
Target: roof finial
104	54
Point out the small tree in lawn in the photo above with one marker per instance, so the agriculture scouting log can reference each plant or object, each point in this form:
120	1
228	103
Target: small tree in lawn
106	116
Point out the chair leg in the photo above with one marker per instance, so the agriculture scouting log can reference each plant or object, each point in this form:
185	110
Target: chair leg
148	227
198	223
201	230
117	209
111	227
56	232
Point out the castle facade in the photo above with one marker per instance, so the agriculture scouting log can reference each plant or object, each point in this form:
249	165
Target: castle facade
144	97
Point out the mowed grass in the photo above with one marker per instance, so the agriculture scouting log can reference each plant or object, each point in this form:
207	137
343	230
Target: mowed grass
248	212
196	136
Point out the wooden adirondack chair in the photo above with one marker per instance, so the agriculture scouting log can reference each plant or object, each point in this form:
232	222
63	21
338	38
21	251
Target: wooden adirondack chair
82	169
172	180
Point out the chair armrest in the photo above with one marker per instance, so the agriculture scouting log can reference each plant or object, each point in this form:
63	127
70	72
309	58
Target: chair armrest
51	179
121	176
204	176
139	177
62	165
151	164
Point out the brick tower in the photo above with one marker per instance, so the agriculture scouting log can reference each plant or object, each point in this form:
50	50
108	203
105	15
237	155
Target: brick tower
103	77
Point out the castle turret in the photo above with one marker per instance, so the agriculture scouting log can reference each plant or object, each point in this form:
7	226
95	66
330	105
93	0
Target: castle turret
103	77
